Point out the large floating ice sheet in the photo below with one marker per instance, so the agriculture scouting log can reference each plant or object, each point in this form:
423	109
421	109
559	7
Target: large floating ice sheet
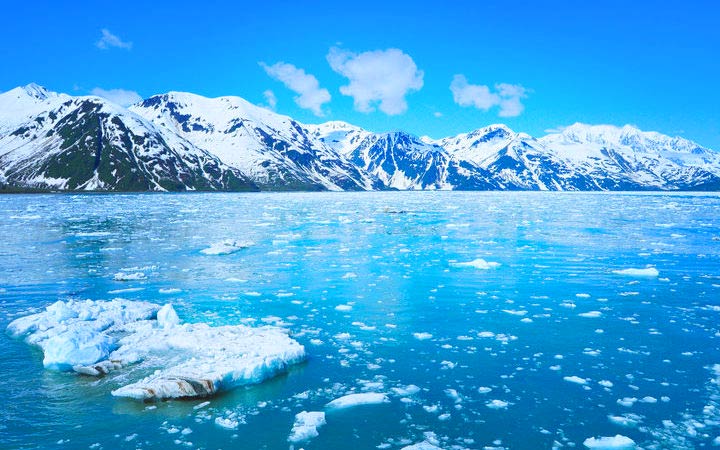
192	360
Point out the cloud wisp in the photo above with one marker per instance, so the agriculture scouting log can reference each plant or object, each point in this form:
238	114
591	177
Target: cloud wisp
109	40
508	97
270	99
381	77
310	95
121	97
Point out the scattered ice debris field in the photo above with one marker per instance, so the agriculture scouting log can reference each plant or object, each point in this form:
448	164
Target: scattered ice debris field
471	321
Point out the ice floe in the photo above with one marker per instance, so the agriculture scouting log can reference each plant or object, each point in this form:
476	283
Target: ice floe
225	247
350	400
191	360
609	443
477	264
646	272
306	426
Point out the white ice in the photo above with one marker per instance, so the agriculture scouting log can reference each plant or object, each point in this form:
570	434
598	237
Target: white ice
477	263
192	360
646	272
306	425
609	443
350	400
225	247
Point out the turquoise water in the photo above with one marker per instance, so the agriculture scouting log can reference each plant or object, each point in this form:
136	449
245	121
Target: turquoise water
414	316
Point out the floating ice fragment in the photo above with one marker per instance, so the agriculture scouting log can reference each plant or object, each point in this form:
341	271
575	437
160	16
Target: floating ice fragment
497	404
227	423
350	400
225	247
193	360
647	272
343	307
591	314
306	426
610	443
167	317
422	336
135	276
477	263
576	380
424	445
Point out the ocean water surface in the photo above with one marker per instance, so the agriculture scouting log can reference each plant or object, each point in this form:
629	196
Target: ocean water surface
490	320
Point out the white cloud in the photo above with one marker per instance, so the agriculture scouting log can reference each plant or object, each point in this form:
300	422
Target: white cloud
119	96
384	76
110	40
270	99
506	96
311	95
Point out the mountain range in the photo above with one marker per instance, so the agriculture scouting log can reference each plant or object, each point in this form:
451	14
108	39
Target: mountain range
181	141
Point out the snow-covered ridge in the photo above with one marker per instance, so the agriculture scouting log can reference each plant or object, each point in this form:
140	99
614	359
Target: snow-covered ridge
273	151
190	360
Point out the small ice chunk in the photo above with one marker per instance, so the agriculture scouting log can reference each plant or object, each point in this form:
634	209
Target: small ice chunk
225	247
306	426
350	400
610	443
477	263
576	380
497	404
591	314
646	272
134	276
424	445
422	336
343	307
227	423
167	317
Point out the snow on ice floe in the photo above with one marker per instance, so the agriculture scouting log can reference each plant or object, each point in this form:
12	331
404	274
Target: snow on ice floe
192	360
306	426
477	263
132	276
610	443
424	445
632	272
225	247
350	400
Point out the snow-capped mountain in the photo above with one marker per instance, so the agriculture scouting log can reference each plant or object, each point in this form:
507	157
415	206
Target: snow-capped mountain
183	141
625	157
277	152
55	141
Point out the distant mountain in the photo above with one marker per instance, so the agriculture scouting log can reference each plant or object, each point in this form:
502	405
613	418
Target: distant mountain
52	141
180	141
277	152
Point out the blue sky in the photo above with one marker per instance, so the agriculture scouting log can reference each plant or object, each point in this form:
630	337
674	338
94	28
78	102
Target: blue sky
388	65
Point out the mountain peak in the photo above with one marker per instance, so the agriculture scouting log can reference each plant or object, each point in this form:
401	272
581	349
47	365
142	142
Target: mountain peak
36	91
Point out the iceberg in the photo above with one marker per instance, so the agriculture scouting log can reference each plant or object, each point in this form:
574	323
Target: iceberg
190	360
